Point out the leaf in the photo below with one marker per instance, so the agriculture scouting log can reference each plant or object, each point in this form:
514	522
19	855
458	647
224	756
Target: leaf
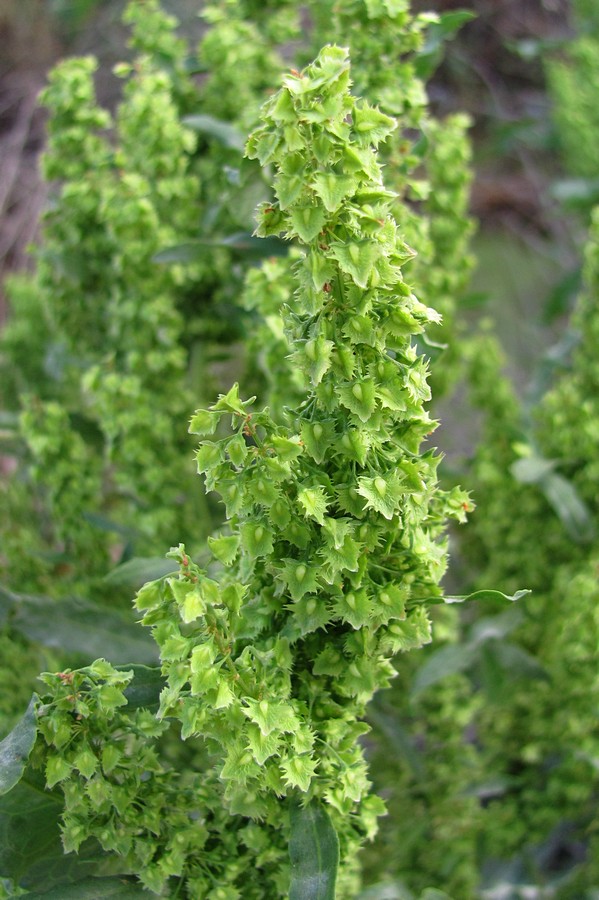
532	469
431	53
16	747
313	853
517	663
94	889
31	851
80	628
222	132
576	192
571	510
479	596
143	692
441	664
140	569
241	244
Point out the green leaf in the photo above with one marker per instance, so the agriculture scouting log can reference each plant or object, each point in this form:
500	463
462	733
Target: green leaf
431	53
31	851
141	569
571	510
143	692
241	244
443	663
222	132
85	629
116	888
313	853
478	596
532	469
16	747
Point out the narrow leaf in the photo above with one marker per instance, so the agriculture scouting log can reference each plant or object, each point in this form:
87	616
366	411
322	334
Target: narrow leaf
94	889
143	692
16	747
484	596
78	627
441	664
313	853
222	132
140	569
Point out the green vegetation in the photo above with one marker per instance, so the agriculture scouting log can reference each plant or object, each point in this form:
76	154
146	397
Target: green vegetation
248	740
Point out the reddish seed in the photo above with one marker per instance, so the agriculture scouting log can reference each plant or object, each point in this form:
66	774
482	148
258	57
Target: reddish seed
326	288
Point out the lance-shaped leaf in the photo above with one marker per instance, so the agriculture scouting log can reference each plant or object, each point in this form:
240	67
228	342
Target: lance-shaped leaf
479	596
313	853
16	747
116	888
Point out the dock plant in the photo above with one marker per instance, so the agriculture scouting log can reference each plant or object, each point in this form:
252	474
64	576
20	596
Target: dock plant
332	554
